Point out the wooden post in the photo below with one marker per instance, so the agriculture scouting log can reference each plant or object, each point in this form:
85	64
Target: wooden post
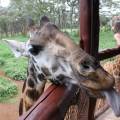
89	26
85	24
108	53
89	41
94	46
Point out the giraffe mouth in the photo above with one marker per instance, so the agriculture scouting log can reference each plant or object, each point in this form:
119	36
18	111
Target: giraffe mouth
113	99
103	84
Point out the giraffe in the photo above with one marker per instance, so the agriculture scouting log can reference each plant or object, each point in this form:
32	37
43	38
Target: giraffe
113	68
54	56
32	89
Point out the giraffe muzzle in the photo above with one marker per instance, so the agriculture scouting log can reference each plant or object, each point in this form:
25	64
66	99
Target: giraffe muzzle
100	80
103	83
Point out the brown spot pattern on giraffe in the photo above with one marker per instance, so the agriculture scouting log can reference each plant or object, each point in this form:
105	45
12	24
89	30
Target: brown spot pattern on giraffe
33	94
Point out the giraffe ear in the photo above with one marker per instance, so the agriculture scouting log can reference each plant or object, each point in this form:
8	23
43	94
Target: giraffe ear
31	27
18	48
44	20
30	23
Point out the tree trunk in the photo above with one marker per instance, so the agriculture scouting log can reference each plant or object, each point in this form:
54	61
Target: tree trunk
71	19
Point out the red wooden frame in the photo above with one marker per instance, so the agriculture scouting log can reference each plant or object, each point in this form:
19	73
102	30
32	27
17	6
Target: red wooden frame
108	53
89	38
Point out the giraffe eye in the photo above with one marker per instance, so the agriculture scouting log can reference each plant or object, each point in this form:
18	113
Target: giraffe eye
35	49
85	65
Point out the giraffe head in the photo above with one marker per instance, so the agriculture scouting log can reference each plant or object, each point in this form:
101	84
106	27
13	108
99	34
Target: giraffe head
50	47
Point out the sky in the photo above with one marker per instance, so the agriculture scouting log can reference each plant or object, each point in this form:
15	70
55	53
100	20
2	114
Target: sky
4	3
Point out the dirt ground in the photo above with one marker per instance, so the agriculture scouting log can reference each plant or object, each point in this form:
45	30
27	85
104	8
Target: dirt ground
9	111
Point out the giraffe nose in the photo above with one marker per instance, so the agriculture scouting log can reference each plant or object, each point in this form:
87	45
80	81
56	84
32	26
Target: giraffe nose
32	50
30	47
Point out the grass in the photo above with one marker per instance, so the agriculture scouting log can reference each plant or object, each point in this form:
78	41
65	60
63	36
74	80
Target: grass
7	89
74	34
13	67
106	40
17	37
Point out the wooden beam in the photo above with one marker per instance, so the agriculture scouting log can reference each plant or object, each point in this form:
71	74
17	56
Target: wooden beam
85	24
94	41
108	53
89	39
89	26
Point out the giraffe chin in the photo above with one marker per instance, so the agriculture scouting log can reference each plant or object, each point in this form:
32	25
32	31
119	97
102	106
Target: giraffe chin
113	99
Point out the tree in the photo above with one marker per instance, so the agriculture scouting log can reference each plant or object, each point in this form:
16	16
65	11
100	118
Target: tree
109	7
72	4
63	13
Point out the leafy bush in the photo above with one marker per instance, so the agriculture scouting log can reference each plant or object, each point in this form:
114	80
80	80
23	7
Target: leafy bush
74	34
7	89
16	68
105	28
2	62
5	52
104	20
13	67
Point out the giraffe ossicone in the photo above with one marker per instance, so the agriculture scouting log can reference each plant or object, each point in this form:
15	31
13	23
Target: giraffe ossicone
55	56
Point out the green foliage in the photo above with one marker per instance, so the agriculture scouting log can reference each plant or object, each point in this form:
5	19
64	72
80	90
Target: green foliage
106	40
16	68
2	62
106	37
18	37
105	28
74	34
5	52
3	22
7	89
104	20
75	37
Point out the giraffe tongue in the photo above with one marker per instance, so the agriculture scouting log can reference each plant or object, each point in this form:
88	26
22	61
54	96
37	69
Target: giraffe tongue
113	99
